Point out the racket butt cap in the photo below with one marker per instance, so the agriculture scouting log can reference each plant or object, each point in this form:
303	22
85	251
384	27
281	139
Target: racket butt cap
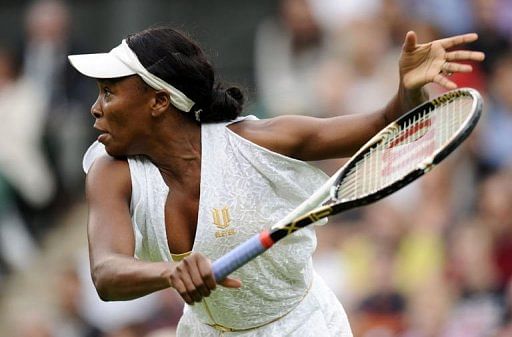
266	240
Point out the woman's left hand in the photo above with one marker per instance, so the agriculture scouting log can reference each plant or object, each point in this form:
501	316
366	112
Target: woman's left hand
432	62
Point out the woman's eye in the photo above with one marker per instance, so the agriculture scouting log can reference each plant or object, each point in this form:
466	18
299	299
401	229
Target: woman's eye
106	92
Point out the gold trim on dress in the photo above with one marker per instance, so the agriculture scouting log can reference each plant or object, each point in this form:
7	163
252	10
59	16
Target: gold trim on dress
179	257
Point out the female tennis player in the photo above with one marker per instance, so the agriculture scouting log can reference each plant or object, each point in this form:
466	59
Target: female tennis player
177	175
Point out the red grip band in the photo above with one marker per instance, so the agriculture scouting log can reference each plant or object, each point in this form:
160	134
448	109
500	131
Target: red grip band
266	240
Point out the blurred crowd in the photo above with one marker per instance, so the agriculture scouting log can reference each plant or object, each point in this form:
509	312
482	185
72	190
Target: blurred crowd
434	260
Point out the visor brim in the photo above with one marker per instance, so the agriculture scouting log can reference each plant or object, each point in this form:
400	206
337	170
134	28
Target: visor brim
100	65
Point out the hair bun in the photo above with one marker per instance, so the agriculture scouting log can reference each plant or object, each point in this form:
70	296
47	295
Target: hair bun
226	105
236	93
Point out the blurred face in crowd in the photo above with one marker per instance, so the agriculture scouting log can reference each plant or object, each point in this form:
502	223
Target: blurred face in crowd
7	72
485	11
494	203
471	252
47	20
123	115
298	18
368	40
501	80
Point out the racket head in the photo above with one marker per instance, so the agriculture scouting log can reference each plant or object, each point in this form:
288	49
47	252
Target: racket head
427	134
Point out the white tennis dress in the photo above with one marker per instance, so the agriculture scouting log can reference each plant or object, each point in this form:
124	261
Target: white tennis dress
244	189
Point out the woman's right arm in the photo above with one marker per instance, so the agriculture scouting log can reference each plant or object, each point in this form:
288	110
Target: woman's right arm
116	274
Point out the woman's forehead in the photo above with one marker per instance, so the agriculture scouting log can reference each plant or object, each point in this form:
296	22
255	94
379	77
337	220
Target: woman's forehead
127	82
117	80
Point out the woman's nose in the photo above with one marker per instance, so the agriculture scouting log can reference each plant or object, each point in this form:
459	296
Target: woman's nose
96	110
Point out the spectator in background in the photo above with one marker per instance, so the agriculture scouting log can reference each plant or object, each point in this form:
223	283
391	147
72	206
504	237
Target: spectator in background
22	111
504	16
477	309
368	64
427	308
494	40
70	320
289	51
48	41
43	52
334	15
495	144
452	17
24	171
382	311
495	215
379	231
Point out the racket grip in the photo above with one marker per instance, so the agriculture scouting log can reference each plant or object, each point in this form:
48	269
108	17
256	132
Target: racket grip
241	255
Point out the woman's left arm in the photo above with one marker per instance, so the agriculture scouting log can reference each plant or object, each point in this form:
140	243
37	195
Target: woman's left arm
308	138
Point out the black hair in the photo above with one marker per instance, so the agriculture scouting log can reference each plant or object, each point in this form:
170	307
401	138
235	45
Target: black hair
178	60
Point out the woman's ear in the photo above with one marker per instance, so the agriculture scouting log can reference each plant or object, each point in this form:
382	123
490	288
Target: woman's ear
160	103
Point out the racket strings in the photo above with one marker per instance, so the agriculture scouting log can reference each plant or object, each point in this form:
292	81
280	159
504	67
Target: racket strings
404	148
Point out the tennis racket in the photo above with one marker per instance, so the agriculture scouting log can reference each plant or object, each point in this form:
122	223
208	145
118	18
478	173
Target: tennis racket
399	154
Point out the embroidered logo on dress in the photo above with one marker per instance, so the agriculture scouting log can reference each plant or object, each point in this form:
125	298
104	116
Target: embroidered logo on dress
222	223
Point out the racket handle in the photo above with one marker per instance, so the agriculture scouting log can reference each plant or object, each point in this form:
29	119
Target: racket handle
241	255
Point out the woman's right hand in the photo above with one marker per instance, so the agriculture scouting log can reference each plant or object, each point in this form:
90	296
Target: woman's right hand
193	278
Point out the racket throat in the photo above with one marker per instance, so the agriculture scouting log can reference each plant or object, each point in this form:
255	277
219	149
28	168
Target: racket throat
322	212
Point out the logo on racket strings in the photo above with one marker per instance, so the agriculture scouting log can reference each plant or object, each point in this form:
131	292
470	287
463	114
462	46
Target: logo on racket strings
409	148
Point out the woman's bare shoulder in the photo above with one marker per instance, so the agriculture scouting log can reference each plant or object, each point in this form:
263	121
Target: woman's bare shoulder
109	175
283	134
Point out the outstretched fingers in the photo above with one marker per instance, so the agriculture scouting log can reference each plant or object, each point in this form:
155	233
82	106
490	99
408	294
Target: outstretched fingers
452	59
410	41
431	62
453	41
465	55
443	80
451	67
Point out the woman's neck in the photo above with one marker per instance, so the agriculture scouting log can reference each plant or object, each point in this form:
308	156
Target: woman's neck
175	148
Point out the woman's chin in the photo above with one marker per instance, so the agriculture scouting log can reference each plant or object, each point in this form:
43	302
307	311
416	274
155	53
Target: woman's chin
114	152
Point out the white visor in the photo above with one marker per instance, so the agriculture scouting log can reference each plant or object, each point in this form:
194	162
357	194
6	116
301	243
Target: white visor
101	65
122	61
